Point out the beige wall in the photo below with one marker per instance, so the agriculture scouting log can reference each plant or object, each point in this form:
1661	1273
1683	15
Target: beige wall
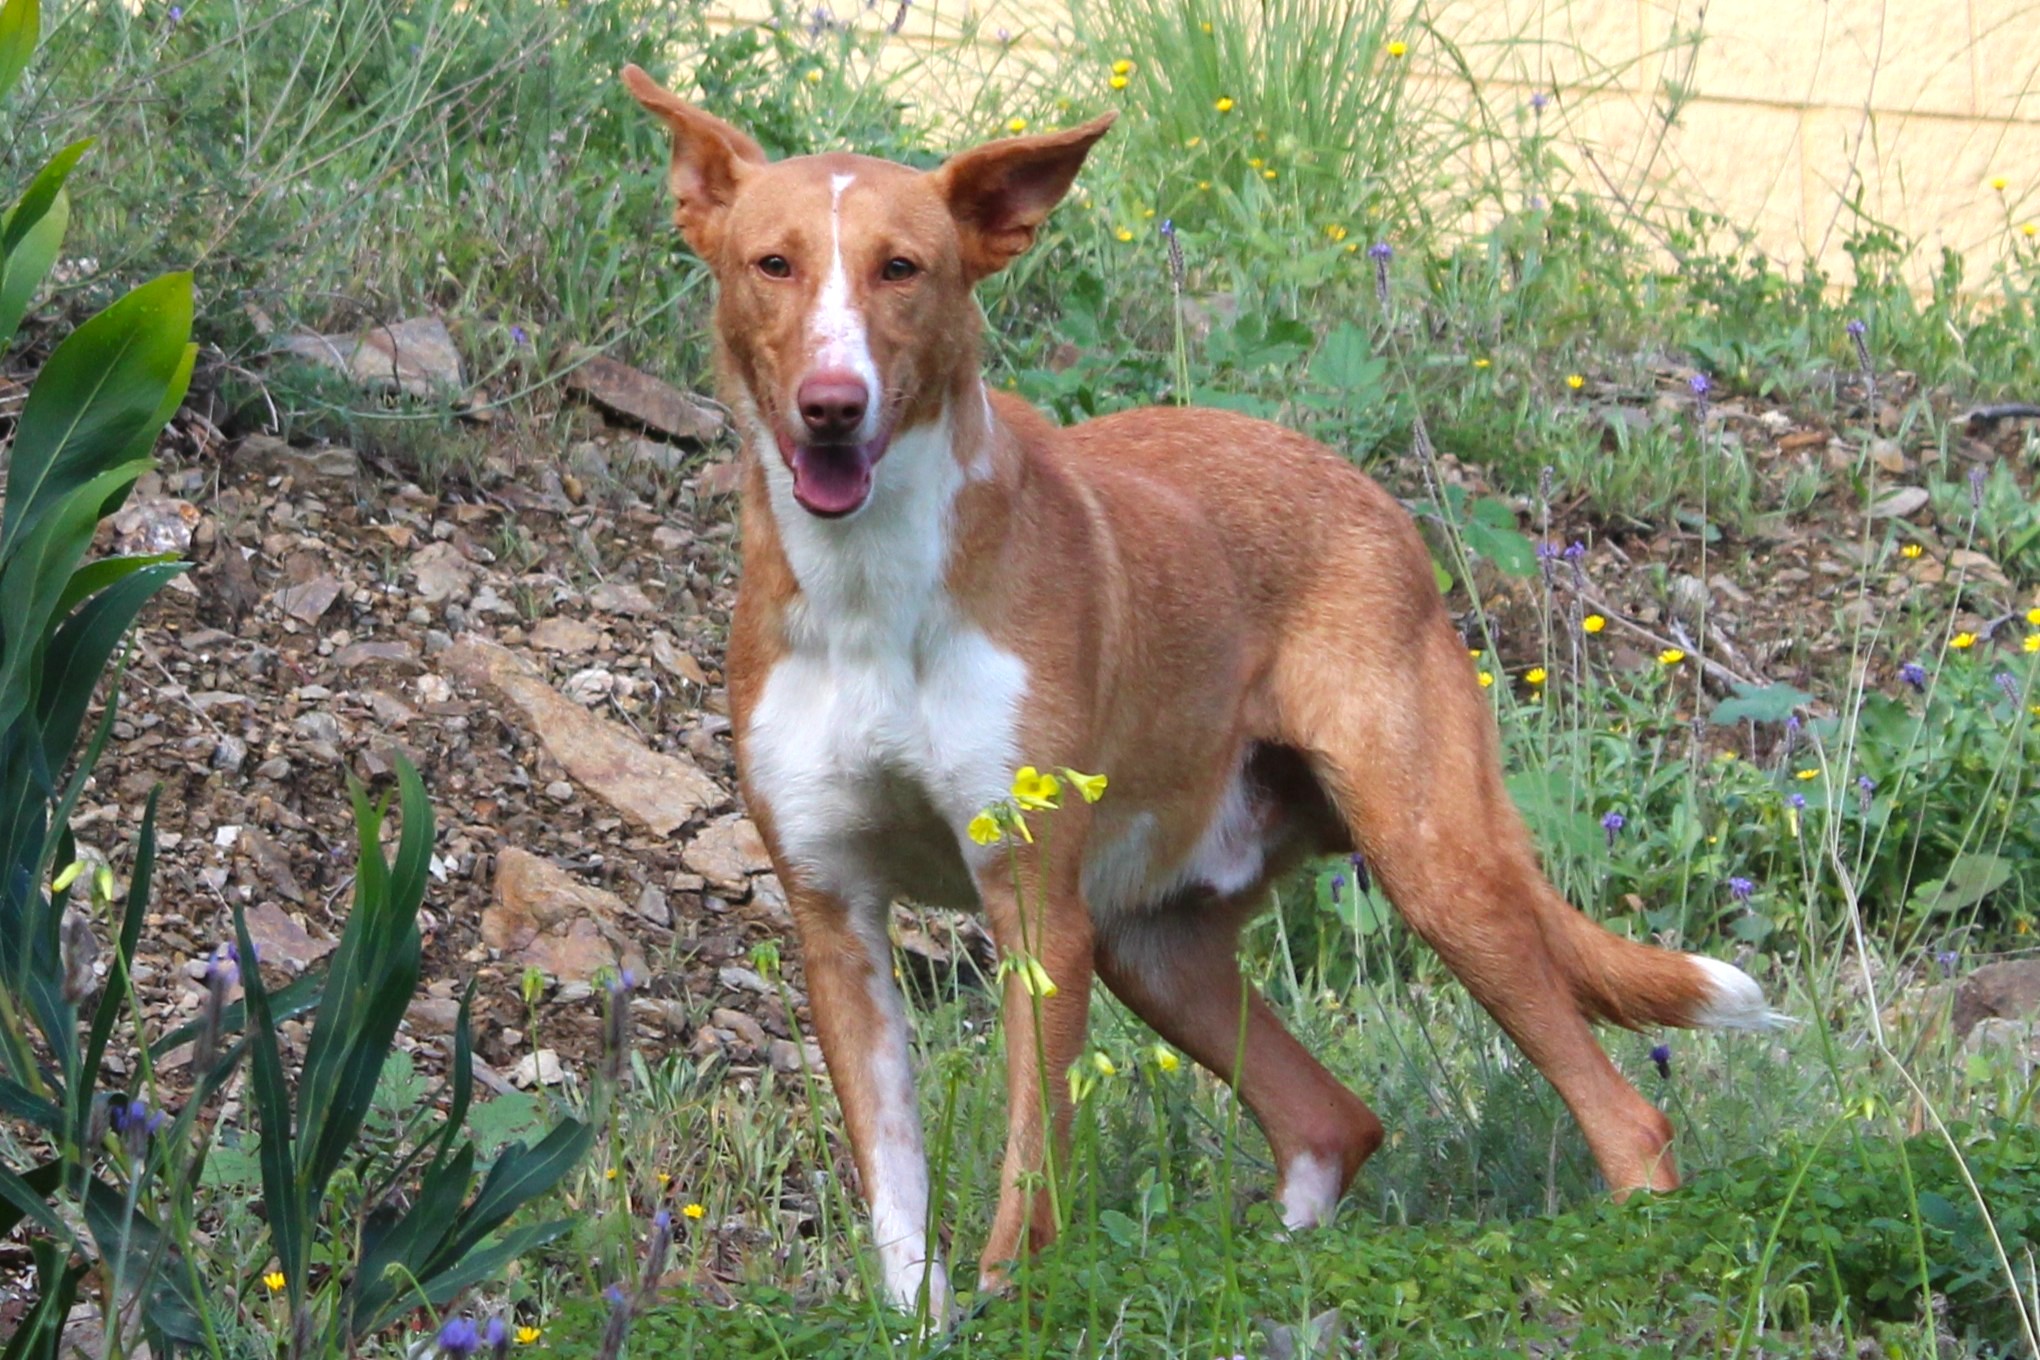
1792	108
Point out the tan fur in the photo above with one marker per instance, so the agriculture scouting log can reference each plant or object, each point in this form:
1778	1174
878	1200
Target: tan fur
1185	586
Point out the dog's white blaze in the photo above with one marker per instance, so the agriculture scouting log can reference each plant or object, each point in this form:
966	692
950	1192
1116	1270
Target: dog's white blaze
1310	1191
1735	1001
837	338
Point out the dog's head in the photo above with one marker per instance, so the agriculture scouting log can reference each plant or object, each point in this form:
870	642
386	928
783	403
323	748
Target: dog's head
843	282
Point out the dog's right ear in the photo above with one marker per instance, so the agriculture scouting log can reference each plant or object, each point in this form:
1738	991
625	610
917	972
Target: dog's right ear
1001	192
710	159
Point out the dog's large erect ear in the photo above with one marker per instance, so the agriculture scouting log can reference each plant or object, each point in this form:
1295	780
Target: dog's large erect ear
999	193
710	159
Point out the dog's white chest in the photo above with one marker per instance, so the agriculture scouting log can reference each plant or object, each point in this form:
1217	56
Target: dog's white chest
873	757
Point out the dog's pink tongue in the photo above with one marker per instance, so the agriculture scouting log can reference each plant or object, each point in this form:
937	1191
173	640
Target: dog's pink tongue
831	479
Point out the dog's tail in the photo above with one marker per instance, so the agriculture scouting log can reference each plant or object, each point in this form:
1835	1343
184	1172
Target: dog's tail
1638	985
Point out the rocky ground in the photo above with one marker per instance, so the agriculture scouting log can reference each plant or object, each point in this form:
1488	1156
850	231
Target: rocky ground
541	635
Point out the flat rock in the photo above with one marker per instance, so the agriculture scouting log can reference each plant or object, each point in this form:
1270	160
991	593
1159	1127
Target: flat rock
2008	990
659	792
568	636
727	852
155	524
433	1014
538	1069
638	396
1900	503
308	602
397	655
621	597
416	356
281	940
541	916
441	572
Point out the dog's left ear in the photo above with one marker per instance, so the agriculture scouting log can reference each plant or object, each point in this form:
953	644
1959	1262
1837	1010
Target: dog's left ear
1001	192
710	159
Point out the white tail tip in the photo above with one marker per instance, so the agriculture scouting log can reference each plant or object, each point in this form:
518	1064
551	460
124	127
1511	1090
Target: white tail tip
1734	1001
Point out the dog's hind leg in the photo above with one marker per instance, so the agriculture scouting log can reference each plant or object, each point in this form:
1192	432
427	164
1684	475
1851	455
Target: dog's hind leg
1401	738
1176	966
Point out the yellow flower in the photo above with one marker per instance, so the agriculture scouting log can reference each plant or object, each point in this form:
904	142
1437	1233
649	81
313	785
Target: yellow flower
67	876
1267	174
1481	363
2032	642
1536	675
2033	616
1593	623
2030	230
1191	143
1103	1064
1670	656
1352	247
665	1179
274	1281
1016	124
1122	67
693	1211
1147	212
1962	642
983	828
1397	48
1911	550
1999	182
1486	678
1806	774
1335	231
1033	789
610	1174
1206	25
1117	82
1124	234
1036	980
1166	1059
527	1335
1253	163
1204	184
1091	787
1575	381
1224	104
814	77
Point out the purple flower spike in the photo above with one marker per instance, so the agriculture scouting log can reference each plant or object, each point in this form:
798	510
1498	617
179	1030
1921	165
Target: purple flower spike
176	14
2007	682
1381	250
459	1339
519	336
1741	889
1338	886
1662	1057
615	1295
1857	328
1611	824
1947	958
1914	674
1539	101
1700	385
1796	801
1575	551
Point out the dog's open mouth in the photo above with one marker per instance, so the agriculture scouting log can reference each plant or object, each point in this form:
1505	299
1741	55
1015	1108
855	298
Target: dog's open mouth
831	480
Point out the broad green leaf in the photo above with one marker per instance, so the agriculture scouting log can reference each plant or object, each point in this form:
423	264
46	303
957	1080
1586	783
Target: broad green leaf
283	1202
519	1176
40	196
1759	703
1346	363
169	1307
1972	877
28	263
27	1197
20	29
102	391
81	648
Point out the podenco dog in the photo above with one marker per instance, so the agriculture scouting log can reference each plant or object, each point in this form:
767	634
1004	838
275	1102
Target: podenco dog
1232	623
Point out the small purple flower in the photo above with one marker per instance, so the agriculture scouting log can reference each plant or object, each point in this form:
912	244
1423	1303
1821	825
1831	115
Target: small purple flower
2009	684
1575	551
1175	245
1338	886
1612	823
1381	252
459	1339
1796	801
1700	385
176	14
1548	551
1539	101
1857	329
1865	786
1741	889
1360	878
1947	958
518	336
1537	203
615	1295
1662	1057
496	1336
1914	674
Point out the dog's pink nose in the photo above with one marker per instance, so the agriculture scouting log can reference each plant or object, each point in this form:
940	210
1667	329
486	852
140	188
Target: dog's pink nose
832	403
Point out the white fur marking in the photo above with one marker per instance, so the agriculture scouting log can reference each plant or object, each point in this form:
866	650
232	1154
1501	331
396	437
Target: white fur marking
1229	856
1310	1191
836	333
899	1166
1735	1001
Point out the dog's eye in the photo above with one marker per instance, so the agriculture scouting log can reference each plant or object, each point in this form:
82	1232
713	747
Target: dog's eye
898	269
775	267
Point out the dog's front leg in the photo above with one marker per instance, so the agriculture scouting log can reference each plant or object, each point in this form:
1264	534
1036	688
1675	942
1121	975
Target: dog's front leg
863	1029
1044	934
